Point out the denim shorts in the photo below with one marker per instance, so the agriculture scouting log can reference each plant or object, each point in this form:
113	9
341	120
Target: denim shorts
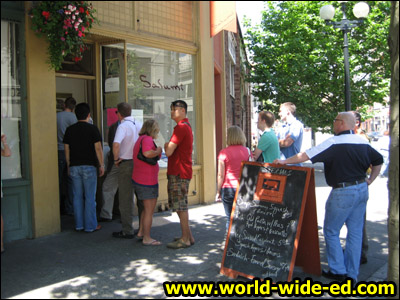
145	192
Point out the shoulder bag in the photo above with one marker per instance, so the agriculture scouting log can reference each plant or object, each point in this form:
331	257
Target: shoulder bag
151	161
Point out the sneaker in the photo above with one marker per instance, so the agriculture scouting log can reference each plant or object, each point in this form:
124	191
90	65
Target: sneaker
122	235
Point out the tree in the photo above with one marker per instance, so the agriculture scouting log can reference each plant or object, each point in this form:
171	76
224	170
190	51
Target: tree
297	57
393	222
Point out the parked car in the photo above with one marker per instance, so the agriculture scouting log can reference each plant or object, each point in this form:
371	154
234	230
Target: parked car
375	135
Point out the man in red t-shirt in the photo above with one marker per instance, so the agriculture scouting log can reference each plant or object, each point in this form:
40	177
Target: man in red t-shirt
179	152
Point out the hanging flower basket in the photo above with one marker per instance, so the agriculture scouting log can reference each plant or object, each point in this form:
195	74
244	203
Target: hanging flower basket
65	24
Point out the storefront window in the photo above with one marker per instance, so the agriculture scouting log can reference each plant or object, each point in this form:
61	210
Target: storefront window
10	99
155	78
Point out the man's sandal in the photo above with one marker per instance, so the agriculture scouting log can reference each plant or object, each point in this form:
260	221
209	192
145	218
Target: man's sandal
178	238
178	244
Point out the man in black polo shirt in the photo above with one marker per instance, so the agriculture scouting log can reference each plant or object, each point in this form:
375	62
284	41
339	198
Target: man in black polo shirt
346	158
84	153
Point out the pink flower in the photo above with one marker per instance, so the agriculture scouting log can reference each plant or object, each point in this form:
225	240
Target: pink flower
63	39
80	33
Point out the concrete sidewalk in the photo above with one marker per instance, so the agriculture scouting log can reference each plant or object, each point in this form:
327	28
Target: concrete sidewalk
96	265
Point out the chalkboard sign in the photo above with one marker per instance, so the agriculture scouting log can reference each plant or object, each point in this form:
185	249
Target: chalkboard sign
265	227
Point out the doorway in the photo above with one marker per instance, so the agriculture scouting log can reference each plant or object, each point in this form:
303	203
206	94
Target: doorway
83	91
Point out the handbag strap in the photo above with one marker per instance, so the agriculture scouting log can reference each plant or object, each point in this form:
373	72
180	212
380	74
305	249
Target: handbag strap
140	149
250	158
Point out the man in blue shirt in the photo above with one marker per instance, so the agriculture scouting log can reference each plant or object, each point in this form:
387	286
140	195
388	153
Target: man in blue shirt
65	119
346	158
290	136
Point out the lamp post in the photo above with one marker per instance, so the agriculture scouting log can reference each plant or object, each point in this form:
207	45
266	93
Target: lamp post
361	11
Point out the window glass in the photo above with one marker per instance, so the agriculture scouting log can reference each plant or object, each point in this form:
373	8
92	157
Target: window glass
232	79
10	99
155	78
113	75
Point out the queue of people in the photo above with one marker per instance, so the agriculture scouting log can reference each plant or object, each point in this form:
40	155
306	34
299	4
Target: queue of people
133	170
347	157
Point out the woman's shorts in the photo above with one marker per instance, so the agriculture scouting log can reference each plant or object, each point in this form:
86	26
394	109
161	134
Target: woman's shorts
145	192
177	193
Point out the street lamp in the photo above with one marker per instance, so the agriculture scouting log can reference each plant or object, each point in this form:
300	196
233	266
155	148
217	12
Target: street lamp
361	11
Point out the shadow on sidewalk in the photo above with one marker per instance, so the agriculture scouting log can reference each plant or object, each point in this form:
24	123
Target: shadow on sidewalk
96	265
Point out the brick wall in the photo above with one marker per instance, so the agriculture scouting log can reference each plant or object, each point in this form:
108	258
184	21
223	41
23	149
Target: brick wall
238	109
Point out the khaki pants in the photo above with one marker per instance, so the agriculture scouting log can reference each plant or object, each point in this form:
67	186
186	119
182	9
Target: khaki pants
110	187
125	194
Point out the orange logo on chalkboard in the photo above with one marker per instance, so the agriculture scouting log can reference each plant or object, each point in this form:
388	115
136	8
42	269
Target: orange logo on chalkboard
270	187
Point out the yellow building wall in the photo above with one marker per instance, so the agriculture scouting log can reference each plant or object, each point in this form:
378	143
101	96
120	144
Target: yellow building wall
41	92
206	118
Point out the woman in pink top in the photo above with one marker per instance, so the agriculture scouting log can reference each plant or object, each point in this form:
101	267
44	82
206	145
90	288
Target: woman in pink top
229	164
145	178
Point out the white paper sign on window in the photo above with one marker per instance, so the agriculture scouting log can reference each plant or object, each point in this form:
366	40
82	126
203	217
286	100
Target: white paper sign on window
112	85
137	114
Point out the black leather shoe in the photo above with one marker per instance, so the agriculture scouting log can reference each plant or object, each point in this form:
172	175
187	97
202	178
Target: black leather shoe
104	220
363	260
122	235
330	275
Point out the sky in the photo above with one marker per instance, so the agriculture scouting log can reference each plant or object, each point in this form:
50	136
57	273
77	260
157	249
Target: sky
252	10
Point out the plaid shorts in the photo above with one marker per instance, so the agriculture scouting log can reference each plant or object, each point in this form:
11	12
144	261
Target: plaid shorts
177	193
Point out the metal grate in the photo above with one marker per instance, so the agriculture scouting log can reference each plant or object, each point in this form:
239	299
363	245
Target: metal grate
166	18
117	13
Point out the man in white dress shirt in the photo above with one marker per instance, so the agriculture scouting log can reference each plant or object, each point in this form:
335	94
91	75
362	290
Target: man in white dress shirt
125	138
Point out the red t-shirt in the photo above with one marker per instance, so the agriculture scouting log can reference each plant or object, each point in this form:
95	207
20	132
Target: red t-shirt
180	162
